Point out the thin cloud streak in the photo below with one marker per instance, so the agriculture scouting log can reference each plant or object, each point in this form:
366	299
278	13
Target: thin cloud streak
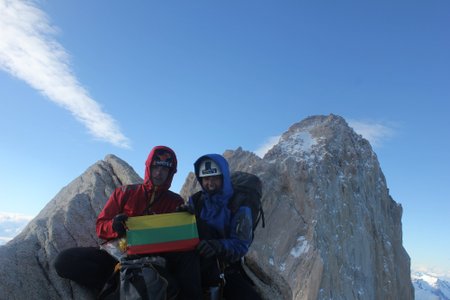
267	145
375	133
29	51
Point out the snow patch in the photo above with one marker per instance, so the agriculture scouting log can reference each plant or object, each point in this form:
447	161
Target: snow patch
271	261
428	278
299	143
301	247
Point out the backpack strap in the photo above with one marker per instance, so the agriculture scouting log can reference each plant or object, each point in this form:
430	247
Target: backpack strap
260	217
238	199
197	199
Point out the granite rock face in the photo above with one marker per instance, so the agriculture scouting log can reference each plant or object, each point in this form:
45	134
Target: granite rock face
68	220
332	231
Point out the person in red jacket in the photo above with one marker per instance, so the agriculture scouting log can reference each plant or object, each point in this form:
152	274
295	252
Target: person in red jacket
92	267
151	197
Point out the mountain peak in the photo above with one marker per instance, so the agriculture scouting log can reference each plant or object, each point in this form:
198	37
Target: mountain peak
331	228
317	137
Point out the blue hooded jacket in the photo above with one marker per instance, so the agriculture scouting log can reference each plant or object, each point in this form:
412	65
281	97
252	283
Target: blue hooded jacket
233	231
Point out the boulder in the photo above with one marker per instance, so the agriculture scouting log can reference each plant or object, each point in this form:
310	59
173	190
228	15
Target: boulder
68	220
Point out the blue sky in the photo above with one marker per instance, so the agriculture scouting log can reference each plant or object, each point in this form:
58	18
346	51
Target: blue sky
82	79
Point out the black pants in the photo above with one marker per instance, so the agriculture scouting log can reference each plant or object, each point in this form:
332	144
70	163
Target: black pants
239	288
88	266
92	267
183	272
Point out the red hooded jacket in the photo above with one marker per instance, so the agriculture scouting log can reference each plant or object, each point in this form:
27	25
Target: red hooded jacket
134	200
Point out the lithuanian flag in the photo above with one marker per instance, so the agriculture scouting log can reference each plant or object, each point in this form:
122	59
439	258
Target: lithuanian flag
161	233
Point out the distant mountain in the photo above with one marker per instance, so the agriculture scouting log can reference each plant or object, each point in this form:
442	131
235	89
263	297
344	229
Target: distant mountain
11	225
430	287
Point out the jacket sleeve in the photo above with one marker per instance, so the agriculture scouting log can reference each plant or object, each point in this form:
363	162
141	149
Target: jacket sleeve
110	210
241	235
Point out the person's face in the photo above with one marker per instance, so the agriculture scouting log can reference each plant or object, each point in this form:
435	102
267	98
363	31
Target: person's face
212	184
159	174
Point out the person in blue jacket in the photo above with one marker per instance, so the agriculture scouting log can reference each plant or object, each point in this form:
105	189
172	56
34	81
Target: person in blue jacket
225	236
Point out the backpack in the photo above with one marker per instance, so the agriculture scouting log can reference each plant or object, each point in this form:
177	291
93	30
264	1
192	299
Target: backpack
140	280
136	279
247	192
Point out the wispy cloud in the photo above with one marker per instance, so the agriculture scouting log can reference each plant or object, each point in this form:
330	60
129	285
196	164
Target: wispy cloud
30	52
375	132
12	224
267	145
438	271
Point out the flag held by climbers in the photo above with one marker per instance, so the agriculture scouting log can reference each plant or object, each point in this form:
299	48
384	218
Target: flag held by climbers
161	233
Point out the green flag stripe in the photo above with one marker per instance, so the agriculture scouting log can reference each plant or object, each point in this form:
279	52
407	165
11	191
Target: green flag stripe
161	235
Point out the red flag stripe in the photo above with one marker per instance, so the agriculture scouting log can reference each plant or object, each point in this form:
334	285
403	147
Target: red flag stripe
183	245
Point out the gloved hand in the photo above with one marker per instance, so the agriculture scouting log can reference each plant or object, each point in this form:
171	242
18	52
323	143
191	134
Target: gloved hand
209	248
185	207
118	224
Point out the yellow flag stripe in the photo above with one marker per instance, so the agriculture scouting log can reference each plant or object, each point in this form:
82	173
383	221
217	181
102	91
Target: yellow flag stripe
161	220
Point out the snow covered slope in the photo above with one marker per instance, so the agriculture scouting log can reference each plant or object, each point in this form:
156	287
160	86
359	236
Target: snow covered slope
430	287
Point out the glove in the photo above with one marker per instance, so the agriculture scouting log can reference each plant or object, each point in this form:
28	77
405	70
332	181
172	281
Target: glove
209	248
118	224
185	207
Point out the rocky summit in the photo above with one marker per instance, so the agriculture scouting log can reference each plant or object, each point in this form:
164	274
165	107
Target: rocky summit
66	221
332	231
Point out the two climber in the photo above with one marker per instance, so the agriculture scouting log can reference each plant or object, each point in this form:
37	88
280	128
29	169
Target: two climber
225	235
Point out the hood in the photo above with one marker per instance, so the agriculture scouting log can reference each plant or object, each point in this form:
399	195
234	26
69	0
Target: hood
147	178
227	188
